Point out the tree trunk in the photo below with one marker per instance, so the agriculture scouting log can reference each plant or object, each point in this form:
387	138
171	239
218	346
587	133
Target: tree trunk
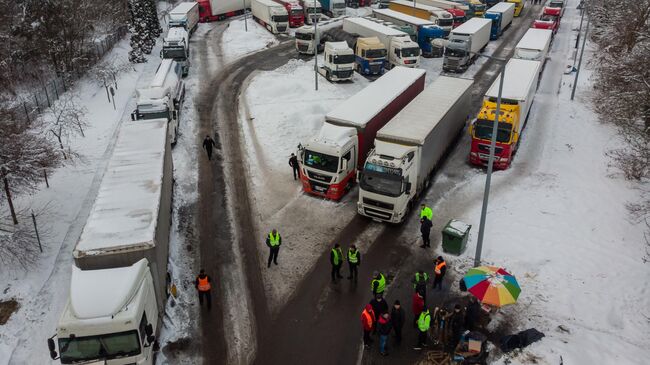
11	204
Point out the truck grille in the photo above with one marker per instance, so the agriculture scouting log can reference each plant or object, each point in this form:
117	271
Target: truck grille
282	29
344	74
303	47
486	148
377	214
375	69
378	204
319	177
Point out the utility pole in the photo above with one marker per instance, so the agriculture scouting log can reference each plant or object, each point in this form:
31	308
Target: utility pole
245	15
584	40
488	178
315	20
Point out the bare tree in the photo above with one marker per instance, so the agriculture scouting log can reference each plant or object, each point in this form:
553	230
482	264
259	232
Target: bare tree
19	243
65	119
25	154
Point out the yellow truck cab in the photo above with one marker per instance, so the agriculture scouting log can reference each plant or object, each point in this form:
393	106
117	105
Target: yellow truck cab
370	56
519	6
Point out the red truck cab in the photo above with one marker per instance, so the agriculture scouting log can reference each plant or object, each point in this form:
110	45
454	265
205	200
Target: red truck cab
458	15
295	11
480	147
549	20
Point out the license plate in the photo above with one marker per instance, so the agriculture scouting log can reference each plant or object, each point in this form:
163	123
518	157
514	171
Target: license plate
320	189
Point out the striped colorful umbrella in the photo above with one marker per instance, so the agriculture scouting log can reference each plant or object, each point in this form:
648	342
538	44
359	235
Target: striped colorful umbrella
492	285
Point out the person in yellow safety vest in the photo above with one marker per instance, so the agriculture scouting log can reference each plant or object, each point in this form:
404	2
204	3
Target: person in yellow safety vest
426	212
378	284
354	261
202	284
420	280
336	259
273	240
424	323
439	271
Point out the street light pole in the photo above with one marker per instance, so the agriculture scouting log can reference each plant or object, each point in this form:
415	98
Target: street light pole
584	40
488	178
315	20
245	15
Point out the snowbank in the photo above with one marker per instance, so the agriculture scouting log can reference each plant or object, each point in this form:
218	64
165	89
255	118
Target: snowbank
238	42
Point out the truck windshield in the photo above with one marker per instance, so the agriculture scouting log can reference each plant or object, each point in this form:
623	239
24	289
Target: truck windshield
556	4
483	130
175	53
381	182
548	18
454	52
296	12
280	18
375	53
314	10
321	161
411	52
304	36
344	58
445	22
108	346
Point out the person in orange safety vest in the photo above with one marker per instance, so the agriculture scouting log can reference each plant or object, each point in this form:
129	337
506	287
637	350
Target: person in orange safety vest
439	270
368	323
203	285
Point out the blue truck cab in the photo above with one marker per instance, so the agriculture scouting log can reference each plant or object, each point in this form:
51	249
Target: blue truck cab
495	29
426	34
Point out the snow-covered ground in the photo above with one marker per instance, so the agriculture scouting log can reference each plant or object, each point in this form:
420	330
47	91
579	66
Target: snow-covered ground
42	291
237	41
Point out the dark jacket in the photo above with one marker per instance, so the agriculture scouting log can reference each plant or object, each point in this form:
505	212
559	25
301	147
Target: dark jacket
456	322
380	307
293	162
384	325
397	317
208	143
425	226
341	258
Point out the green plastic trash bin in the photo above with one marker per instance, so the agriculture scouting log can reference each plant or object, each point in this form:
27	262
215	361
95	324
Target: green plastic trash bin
455	236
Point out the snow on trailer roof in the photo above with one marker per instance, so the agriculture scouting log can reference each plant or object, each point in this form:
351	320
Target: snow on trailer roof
535	39
471	26
183	8
339	46
125	211
176	33
379	28
103	293
414	123
403	17
270	3
501	7
358	110
417	6
161	73
519	75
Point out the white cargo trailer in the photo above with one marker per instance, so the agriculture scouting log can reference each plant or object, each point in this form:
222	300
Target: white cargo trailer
534	45
119	281
185	15
271	15
501	15
410	146
465	43
402	51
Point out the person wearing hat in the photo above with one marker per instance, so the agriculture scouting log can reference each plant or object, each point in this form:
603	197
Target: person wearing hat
383	327
439	270
397	318
354	261
273	240
378	284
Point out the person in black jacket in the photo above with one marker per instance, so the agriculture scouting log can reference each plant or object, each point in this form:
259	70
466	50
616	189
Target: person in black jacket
456	323
379	306
425	229
397	318
208	143
293	162
472	313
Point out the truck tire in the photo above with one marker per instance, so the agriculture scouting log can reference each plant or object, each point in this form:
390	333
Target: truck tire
328	76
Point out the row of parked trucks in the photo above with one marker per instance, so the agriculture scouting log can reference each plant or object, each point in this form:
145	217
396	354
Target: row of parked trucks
119	282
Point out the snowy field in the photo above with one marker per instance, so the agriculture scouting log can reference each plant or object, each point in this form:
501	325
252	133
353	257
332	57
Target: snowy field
238	42
42	291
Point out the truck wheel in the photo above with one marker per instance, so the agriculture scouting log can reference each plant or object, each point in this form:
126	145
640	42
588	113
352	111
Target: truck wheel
328	76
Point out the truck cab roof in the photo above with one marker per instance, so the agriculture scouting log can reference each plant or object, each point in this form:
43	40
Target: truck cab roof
337	46
333	136
176	34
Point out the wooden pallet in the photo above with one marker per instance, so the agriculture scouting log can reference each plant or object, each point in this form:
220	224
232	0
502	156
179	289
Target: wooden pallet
435	357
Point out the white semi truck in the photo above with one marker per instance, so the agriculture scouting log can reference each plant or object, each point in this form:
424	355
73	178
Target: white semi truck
185	15
163	97
534	45
465	43
312	9
329	160
305	35
176	46
402	51
271	15
410	146
118	287
440	17
338	62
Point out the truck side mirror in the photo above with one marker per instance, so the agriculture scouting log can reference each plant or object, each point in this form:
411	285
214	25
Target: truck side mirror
408	188
133	116
161	54
50	345
344	165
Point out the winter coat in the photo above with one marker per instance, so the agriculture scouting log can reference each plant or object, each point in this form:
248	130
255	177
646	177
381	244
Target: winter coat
379	306
456	322
418	304
397	317
293	162
425	226
208	143
365	323
384	325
